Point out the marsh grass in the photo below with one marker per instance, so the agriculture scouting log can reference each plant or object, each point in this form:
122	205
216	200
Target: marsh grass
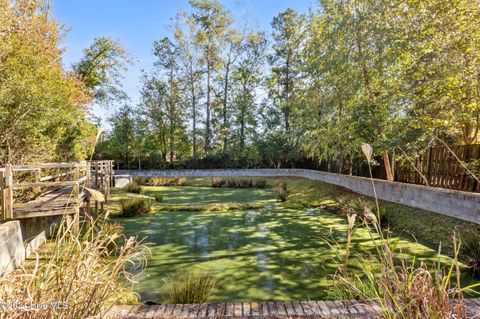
238	182
134	187
135	206
161	181
85	272
190	285
282	192
470	250
403	287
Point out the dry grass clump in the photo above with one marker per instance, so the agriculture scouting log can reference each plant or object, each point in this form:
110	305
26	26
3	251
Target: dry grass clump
190	285
134	187
238	183
161	181
84	273
282	192
403	288
135	206
470	251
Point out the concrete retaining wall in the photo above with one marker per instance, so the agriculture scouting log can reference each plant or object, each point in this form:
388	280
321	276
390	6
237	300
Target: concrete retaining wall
19	238
458	204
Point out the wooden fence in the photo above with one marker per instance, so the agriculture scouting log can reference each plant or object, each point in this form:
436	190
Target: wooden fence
50	189
438	166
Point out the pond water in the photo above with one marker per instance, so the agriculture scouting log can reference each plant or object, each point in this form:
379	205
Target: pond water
268	254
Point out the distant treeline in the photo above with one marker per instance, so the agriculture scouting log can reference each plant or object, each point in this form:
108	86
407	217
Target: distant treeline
400	75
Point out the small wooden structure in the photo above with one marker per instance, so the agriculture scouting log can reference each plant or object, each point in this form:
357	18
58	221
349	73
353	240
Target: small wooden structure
50	189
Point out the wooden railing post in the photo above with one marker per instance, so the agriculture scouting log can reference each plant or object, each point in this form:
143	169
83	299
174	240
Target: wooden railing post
76	194
8	192
38	176
2	195
87	183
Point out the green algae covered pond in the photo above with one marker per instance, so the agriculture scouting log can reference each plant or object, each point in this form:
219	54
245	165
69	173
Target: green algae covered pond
271	253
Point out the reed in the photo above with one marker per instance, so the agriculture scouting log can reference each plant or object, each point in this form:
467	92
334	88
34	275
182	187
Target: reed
190	286
85	273
403	288
135	206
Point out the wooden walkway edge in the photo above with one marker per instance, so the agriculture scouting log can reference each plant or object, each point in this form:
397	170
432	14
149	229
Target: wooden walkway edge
274	309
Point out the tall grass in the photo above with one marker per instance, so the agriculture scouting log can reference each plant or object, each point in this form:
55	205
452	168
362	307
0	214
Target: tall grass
238	182
84	272
282	192
161	181
403	288
135	206
134	187
190	286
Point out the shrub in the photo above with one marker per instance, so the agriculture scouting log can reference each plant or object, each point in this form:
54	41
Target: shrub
135	206
470	251
141	180
164	181
237	183
133	187
261	183
159	198
282	192
81	271
217	182
189	286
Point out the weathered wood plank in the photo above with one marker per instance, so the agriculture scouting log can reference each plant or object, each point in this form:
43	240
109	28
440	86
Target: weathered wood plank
43	184
193	310
185	310
298	307
169	309
48	165
281	309
246	309
150	314
272	308
202	310
323	307
264	308
229	310
307	308
254	309
8	192
44	213
177	310
237	309
289	308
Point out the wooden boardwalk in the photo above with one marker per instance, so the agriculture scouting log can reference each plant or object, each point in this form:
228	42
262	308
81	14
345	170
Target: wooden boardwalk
49	189
295	309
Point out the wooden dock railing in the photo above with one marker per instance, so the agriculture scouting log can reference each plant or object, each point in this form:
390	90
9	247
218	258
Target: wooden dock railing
49	189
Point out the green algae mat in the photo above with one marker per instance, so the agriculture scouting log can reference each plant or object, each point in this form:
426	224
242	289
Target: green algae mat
271	253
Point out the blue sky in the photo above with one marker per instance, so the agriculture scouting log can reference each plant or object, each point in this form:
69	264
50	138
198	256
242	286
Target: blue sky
138	23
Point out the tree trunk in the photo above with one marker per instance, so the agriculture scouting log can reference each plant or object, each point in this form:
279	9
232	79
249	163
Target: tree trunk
194	118
206	147
225	95
388	167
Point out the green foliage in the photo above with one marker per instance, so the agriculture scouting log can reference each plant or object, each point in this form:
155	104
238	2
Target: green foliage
135	207
470	250
159	198
42	107
190	286
101	69
133	187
